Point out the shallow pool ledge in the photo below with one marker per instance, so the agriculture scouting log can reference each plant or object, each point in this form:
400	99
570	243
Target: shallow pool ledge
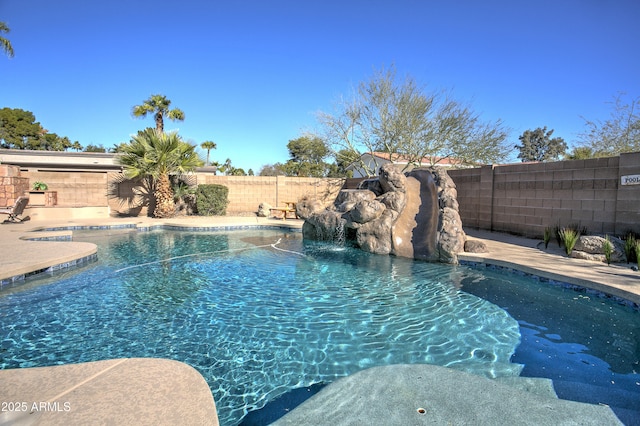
141	391
431	395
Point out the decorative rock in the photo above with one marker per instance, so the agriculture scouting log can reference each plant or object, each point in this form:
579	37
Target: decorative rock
264	210
307	207
591	247
475	246
366	211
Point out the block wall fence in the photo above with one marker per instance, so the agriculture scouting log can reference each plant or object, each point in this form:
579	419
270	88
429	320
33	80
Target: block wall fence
526	198
123	197
520	198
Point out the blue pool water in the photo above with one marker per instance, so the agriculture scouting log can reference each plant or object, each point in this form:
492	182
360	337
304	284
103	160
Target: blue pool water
260	312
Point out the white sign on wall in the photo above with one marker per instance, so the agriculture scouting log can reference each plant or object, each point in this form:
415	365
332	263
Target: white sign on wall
630	180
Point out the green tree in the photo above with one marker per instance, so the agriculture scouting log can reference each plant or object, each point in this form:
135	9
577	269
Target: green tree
272	170
19	129
94	148
398	118
53	142
76	145
344	158
228	169
4	43
580	153
619	134
208	145
537	145
307	155
154	155
158	106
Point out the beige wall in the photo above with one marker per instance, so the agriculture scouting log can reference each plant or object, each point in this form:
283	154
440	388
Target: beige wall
518	198
124	197
74	188
526	198
247	192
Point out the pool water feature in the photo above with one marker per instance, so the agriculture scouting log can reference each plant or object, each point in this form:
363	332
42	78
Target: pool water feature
260	312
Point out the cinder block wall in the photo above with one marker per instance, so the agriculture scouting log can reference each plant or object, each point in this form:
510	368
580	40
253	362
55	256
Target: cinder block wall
74	188
526	198
247	192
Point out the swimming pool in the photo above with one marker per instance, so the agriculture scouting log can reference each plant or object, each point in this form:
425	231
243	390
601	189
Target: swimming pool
260	312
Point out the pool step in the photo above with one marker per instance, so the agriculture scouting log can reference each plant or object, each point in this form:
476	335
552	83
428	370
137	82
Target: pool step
535	385
623	402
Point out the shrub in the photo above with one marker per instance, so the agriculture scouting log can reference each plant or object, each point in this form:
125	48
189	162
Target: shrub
607	247
638	253
211	200
569	239
547	236
556	233
630	247
40	186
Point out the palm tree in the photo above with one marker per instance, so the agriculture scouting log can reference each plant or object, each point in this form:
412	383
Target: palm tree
4	43
208	145
155	155
158	105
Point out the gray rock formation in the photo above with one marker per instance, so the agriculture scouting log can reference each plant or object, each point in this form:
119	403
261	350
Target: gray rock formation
413	215
591	247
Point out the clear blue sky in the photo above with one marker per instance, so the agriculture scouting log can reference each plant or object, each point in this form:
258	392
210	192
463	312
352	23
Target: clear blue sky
251	75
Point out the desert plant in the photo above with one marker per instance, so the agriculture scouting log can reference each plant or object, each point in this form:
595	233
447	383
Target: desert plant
212	199
184	197
580	229
556	233
569	238
547	236
607	247
630	247
40	186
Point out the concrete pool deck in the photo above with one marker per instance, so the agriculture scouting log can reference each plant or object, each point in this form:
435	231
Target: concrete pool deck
147	382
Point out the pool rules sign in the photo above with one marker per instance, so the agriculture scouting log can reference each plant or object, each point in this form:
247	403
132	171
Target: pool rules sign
630	180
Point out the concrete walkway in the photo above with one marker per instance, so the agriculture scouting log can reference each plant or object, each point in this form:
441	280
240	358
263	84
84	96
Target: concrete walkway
146	380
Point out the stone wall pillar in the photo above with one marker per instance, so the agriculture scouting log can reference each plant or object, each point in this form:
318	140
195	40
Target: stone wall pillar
12	185
485	203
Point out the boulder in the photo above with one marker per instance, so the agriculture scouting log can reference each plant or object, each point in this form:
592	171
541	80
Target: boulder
475	246
366	211
264	210
348	198
307	207
591	247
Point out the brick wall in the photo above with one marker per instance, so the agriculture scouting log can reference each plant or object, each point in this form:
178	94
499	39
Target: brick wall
526	198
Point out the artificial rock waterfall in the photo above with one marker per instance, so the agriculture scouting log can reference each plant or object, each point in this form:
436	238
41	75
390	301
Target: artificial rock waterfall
411	215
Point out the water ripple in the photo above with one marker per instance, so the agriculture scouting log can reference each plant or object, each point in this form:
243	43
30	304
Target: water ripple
258	322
